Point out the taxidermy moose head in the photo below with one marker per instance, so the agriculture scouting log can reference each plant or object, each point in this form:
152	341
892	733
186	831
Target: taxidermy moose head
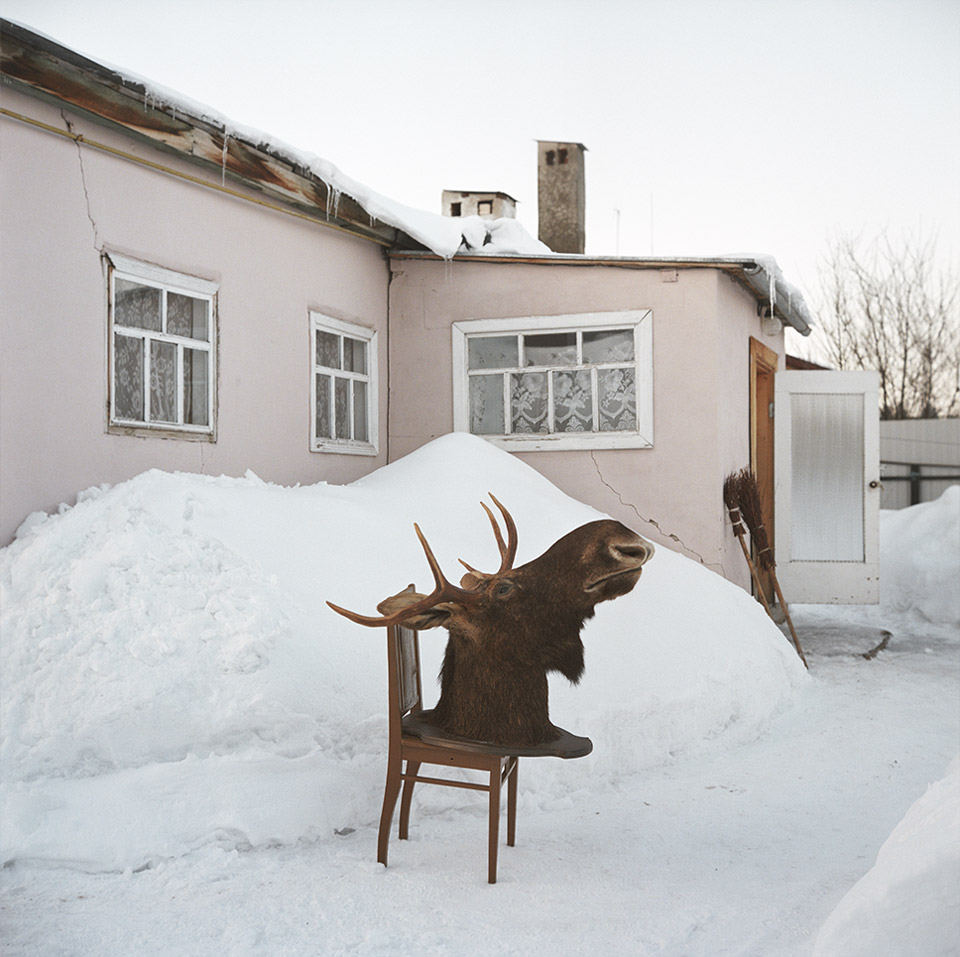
510	628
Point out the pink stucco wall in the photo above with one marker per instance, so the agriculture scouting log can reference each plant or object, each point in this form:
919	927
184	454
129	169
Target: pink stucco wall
702	323
60	206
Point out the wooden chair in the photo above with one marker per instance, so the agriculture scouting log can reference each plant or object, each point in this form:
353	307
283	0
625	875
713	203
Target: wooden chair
416	741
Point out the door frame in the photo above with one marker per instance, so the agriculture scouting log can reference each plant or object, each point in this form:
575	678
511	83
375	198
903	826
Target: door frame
764	363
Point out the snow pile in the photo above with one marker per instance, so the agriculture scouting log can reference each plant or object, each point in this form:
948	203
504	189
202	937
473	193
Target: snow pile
908	902
501	237
920	558
170	675
919	575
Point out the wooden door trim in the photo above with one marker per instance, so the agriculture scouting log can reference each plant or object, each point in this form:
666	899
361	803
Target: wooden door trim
763	362
762	359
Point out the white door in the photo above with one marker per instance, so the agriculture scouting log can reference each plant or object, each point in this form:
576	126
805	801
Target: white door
827	486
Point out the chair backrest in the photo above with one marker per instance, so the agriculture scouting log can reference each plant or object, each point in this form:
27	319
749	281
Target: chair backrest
408	669
403	663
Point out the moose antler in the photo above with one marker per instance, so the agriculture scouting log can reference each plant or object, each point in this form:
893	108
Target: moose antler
508	550
444	591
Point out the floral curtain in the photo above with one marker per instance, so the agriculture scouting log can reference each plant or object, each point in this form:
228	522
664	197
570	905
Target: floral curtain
157	316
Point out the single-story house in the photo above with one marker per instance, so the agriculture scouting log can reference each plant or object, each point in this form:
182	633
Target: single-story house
183	293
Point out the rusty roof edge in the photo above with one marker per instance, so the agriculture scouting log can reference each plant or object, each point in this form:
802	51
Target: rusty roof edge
63	60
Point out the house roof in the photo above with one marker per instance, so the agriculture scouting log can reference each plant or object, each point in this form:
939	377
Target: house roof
300	182
758	275
117	99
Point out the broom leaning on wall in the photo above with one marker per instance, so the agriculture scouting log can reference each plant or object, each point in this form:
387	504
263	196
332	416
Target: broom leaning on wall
741	495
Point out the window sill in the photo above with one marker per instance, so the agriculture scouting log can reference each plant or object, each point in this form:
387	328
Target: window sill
549	443
345	448
162	432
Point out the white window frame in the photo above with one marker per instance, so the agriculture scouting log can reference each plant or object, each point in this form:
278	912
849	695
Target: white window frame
167	281
339	327
639	320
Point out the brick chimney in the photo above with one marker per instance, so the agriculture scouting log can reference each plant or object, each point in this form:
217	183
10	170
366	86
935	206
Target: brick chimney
561	195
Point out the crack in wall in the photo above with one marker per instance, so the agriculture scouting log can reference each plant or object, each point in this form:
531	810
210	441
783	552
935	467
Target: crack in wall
83	180
654	523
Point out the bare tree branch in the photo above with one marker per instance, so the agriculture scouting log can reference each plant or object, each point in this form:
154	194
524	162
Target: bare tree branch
884	305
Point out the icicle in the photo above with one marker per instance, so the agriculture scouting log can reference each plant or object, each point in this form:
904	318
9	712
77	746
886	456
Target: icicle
336	202
223	159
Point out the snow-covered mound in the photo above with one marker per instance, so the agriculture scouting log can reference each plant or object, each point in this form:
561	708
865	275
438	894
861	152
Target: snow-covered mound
908	902
919	575
498	237
170	674
920	560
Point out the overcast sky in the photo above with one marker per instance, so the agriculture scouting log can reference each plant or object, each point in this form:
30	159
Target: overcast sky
735	126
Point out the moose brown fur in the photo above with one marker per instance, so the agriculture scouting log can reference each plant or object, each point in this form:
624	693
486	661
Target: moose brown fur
510	628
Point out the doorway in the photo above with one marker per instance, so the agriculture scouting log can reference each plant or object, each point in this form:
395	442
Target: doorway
763	369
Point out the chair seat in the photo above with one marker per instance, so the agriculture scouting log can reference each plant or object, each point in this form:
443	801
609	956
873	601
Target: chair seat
419	724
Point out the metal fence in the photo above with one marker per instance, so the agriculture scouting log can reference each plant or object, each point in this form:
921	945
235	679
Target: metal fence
919	459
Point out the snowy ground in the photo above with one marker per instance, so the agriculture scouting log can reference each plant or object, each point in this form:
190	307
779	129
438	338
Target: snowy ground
193	751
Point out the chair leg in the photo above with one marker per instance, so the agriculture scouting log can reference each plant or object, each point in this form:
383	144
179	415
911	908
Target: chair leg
390	794
412	768
512	803
494	835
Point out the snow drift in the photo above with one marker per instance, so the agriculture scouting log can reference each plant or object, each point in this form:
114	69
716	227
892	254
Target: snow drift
171	676
920	558
907	903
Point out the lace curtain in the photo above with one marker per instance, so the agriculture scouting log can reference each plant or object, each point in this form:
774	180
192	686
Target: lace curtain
577	383
341	401
128	377
160	318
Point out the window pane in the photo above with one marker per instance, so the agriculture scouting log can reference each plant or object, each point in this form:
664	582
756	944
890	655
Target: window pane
195	387
493	352
354	355
573	401
163	381
324	425
341	405
127	378
486	404
187	316
553	349
360	411
135	305
608	345
617	400
328	350
528	402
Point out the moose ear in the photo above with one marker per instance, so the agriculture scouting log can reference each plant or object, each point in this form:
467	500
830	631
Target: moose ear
474	579
429	618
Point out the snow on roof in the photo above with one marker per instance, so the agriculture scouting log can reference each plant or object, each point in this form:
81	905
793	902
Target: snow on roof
440	234
444	236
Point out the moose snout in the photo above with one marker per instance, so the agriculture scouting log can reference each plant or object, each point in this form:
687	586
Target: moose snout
634	553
